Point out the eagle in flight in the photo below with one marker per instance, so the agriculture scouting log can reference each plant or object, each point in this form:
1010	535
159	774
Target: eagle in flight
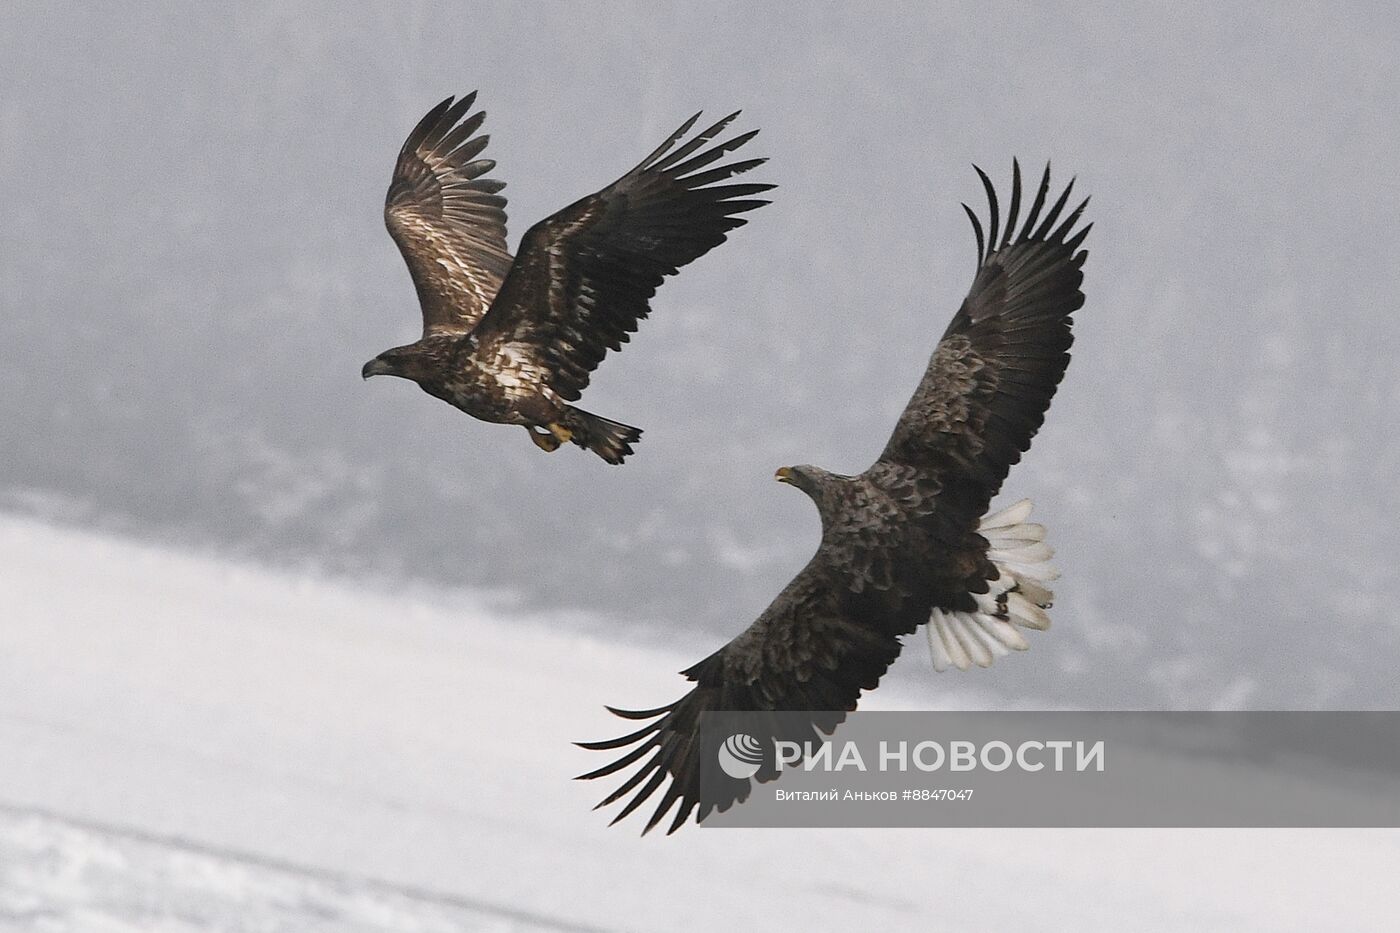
908	542
514	341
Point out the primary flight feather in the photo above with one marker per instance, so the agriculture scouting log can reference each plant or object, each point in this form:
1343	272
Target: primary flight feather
514	341
908	542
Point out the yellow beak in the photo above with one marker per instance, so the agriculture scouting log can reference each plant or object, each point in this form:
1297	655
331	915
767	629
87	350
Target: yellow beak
784	475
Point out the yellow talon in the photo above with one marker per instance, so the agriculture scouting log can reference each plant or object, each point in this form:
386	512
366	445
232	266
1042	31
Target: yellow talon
562	435
546	442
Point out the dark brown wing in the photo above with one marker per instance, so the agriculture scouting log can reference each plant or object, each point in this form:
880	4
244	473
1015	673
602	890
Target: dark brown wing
993	374
449	222
814	649
584	276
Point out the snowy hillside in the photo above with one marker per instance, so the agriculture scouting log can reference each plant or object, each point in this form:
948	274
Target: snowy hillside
189	745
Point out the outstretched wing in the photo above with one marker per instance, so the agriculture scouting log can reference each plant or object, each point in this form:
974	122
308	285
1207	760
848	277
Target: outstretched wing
814	649
449	222
995	370
584	276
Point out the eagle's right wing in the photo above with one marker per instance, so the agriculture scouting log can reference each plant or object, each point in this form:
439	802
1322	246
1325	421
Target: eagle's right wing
585	276
811	650
449	221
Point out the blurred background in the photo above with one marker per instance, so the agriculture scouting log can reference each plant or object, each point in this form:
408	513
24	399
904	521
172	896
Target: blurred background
193	267
280	649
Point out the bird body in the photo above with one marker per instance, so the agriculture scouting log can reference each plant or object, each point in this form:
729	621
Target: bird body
515	340
908	542
502	388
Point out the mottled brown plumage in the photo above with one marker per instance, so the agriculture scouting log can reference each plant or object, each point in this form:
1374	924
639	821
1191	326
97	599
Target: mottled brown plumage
514	341
906	542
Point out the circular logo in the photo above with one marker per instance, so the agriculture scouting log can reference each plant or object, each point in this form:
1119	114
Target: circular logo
740	756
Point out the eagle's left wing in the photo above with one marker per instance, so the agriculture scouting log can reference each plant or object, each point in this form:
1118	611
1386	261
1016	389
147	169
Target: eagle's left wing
583	277
993	374
814	649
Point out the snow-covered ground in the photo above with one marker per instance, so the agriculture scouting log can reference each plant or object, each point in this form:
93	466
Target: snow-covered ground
59	875
190	745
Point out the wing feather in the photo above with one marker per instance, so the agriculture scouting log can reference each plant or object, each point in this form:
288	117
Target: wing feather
993	374
447	219
585	276
812	650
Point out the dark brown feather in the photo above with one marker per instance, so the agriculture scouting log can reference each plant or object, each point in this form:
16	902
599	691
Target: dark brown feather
585	276
993	375
808	651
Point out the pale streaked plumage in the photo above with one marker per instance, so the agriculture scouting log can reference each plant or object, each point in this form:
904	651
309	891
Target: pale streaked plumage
515	341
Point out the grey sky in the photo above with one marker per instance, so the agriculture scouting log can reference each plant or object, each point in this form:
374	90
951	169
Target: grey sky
193	267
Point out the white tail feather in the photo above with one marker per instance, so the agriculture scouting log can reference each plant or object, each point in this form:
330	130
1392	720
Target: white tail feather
1020	611
1040	570
1035	553
959	642
1004	632
1017	598
1040	595
1014	536
1011	515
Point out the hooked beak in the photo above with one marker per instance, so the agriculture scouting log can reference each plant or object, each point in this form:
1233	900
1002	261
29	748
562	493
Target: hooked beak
375	367
784	475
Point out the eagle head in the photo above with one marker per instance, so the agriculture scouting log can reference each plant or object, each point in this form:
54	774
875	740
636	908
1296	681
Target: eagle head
807	478
404	362
829	491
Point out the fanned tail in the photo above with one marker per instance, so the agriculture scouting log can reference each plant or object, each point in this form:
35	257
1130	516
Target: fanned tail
611	440
1016	598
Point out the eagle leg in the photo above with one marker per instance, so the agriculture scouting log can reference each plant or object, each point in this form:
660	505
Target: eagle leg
562	435
546	442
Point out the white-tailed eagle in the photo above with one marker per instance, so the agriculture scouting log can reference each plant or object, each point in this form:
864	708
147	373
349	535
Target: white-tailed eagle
909	541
